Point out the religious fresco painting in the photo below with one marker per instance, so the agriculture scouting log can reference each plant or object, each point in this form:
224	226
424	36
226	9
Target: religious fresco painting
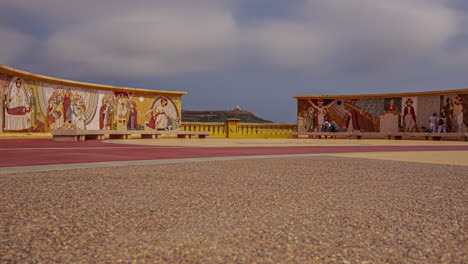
347	114
33	106
393	114
408	114
66	107
162	114
455	110
18	105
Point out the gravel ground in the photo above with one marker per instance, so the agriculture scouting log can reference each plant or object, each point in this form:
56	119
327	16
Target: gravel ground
294	210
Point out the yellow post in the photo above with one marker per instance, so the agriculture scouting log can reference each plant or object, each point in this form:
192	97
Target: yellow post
232	127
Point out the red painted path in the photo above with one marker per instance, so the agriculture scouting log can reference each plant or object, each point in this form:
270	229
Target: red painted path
30	152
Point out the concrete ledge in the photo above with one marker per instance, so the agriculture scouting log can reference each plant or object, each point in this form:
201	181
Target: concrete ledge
387	135
323	134
180	134
117	134
79	135
76	134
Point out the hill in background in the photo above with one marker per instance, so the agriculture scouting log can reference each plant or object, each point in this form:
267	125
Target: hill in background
221	116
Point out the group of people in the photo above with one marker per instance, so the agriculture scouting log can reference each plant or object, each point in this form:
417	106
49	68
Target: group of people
438	124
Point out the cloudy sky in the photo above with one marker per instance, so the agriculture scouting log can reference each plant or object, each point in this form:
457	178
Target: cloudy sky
252	53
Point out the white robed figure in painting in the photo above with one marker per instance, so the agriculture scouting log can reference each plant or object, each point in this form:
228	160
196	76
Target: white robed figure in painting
163	115
458	114
122	112
79	116
17	106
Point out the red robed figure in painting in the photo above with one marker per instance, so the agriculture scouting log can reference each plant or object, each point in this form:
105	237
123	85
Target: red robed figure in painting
352	119
409	109
102	114
66	106
411	112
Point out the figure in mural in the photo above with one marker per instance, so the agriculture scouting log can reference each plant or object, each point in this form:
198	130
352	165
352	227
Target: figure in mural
352	121
321	112
392	107
458	114
163	115
409	116
447	109
79	110
17	106
55	110
300	122
106	113
309	120
132	123
122	111
159	118
68	107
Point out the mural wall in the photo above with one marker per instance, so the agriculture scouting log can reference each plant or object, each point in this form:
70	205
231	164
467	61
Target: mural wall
393	114
34	106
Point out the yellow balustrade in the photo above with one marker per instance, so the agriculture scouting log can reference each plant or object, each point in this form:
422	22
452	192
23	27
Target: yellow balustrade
232	128
217	130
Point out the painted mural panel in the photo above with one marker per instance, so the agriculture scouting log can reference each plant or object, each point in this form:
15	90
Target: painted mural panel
404	114
31	106
342	114
454	110
67	107
408	111
163	114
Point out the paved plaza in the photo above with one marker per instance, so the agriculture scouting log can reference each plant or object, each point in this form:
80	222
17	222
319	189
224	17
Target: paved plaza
233	201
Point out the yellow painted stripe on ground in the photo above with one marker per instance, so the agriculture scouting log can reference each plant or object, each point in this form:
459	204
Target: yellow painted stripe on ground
233	142
436	157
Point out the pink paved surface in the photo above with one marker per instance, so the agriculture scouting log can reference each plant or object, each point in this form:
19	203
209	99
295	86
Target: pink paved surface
46	152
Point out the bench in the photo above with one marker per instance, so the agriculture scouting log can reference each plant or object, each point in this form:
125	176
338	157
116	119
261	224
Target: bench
406	135
323	134
79	135
180	134
441	136
76	135
118	134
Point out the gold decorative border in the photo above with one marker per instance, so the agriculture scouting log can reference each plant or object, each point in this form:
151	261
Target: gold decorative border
27	75
384	95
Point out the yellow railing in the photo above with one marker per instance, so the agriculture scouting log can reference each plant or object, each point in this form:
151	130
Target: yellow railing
233	129
217	129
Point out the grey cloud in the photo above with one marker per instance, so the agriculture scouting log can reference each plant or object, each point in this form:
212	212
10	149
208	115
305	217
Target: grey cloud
14	44
149	38
159	42
364	34
289	44
63	11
